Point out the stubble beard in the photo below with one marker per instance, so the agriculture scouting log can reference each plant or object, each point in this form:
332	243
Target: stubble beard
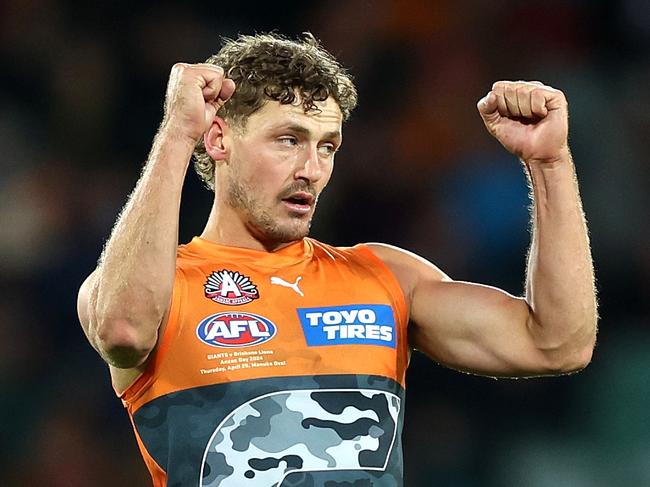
258	218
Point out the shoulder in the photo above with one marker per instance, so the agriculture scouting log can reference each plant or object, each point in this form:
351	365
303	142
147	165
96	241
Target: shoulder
409	268
399	259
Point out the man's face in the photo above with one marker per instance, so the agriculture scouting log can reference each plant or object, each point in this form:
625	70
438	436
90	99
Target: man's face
278	165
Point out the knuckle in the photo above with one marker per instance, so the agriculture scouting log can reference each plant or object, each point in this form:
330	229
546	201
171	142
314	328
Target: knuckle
537	92
211	68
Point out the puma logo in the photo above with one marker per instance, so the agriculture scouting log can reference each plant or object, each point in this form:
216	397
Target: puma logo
281	282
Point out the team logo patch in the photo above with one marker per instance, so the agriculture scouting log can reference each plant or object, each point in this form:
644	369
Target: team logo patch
235	330
232	288
360	324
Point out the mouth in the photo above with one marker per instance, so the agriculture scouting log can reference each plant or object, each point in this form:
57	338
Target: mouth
300	202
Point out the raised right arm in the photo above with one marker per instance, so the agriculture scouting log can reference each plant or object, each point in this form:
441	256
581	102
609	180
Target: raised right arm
122	304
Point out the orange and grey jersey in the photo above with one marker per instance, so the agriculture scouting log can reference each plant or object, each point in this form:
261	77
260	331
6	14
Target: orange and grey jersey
276	369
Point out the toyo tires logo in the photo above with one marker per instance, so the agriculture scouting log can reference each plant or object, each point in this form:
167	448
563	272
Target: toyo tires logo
235	330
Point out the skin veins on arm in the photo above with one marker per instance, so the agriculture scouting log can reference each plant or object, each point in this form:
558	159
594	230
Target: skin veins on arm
123	302
560	282
335	315
484	330
126	297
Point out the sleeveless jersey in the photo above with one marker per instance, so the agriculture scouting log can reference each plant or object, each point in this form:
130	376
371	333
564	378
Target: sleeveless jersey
276	369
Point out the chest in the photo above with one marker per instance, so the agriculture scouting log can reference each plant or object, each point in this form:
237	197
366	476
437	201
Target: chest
237	323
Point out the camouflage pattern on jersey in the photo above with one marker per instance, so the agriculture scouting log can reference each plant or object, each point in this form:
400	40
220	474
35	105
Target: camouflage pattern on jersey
268	437
320	431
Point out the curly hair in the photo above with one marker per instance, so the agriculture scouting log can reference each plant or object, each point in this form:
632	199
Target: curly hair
272	67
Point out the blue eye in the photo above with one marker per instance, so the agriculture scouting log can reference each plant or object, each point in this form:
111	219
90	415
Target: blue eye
287	140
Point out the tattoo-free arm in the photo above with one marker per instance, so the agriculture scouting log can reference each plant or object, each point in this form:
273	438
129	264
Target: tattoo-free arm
482	329
123	302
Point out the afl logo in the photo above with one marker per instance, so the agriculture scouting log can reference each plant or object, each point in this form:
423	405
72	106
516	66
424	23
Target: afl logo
235	330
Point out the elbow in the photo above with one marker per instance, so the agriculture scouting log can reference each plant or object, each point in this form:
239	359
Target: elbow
570	352
569	360
121	344
121	329
581	356
575	362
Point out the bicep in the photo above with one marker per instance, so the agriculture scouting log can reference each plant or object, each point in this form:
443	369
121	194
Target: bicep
465	326
474	328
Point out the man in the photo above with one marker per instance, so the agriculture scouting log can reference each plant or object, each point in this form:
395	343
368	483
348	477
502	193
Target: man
255	355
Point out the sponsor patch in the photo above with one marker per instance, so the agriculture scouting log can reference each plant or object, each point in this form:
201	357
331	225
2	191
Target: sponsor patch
359	324
235	330
230	287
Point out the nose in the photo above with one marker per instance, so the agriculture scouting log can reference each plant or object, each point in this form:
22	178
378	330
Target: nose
309	166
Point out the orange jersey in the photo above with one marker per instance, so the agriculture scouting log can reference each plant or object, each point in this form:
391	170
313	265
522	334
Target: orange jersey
276	368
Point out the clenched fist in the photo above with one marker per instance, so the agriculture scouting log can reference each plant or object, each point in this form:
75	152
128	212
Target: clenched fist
528	118
194	94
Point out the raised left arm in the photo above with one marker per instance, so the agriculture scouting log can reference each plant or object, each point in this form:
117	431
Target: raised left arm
531	121
484	330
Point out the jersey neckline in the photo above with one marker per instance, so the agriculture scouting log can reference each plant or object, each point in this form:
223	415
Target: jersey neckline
297	251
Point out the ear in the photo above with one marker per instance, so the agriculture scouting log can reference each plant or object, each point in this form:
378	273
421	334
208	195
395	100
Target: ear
213	139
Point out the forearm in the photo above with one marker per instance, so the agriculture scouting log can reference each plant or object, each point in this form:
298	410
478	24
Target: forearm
560	277
135	275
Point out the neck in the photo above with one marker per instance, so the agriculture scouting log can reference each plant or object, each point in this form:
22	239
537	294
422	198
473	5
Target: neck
225	226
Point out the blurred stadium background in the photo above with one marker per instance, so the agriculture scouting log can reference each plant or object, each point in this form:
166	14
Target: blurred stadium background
81	90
